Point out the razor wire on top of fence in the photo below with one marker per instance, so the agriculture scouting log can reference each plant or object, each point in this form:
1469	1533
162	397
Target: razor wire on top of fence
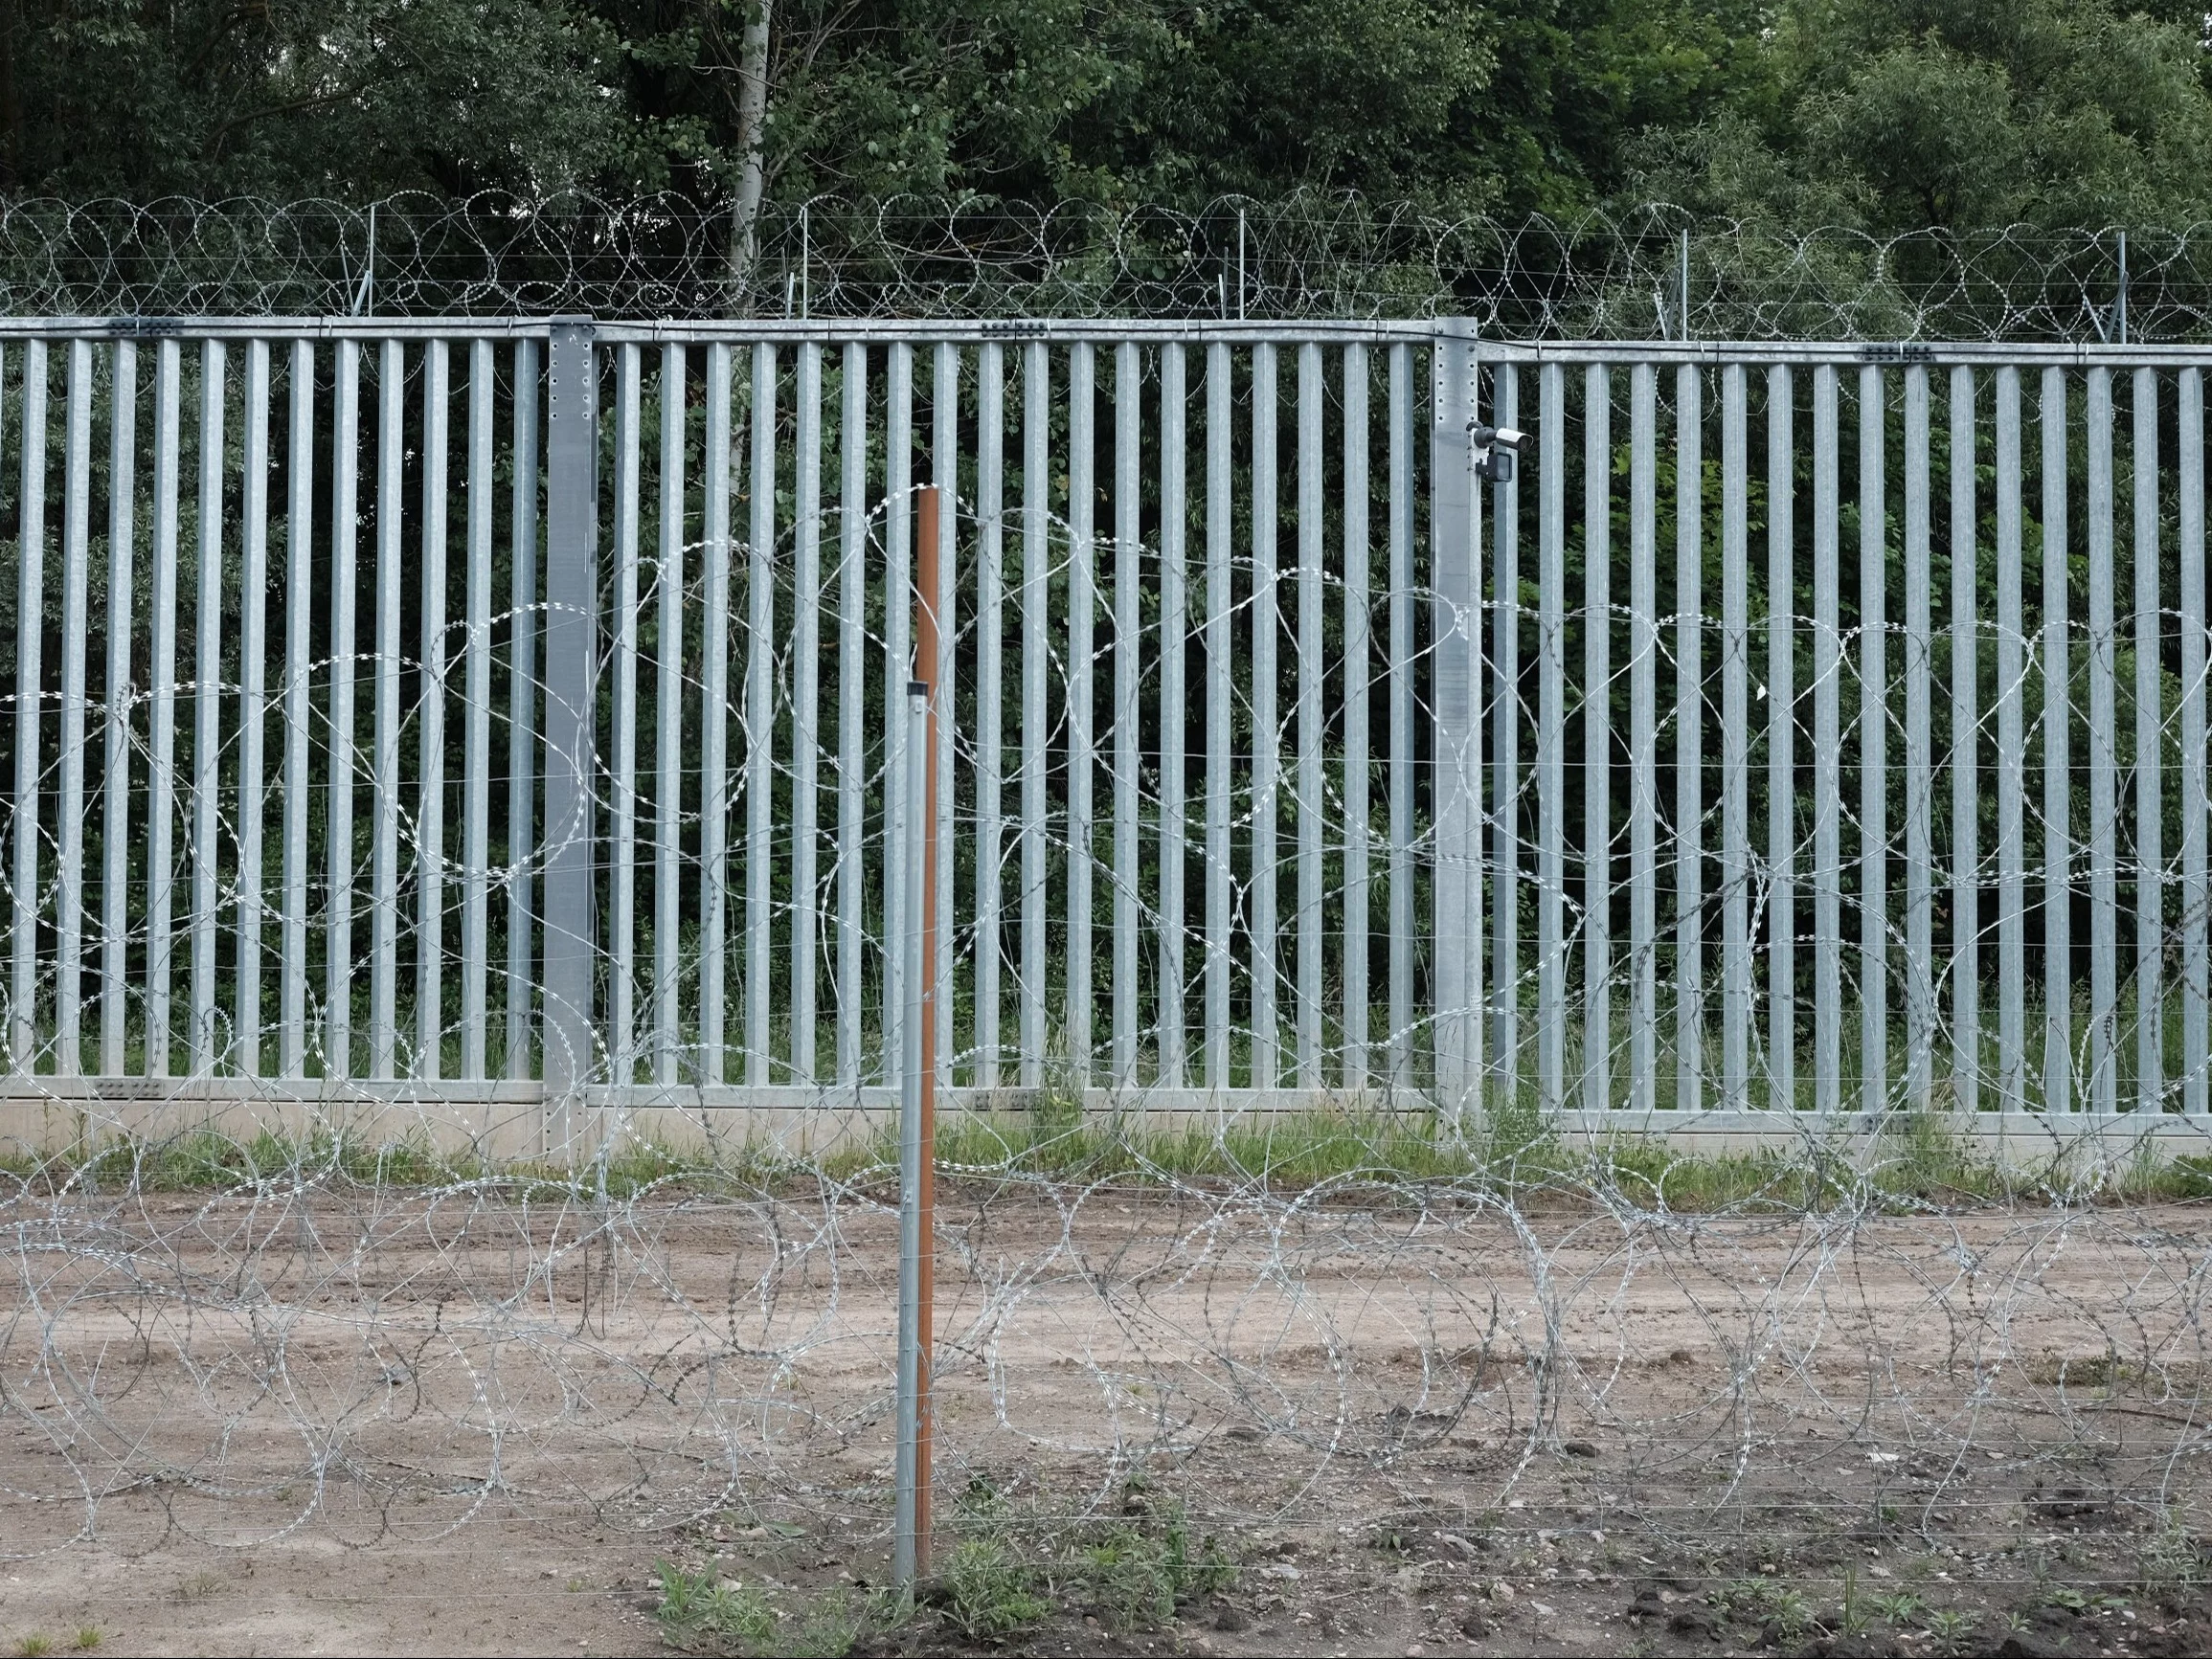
1651	274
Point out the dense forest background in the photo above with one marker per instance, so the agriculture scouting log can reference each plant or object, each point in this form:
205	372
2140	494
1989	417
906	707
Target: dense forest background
1876	114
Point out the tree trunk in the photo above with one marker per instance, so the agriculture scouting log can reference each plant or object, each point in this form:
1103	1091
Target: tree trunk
752	118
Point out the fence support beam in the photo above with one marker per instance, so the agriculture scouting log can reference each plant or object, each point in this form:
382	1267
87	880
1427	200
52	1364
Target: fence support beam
571	639
1456	990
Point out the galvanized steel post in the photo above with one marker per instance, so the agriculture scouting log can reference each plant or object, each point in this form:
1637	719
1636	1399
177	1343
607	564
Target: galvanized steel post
1456	990
570	652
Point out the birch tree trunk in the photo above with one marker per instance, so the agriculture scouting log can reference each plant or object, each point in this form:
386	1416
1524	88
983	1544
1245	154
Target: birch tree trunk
752	118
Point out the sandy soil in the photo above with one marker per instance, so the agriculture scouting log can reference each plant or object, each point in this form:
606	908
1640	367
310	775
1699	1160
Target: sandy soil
367	1422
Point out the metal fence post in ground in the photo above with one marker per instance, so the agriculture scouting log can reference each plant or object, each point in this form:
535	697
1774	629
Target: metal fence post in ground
910	1470
571	636
1456	991
917	1067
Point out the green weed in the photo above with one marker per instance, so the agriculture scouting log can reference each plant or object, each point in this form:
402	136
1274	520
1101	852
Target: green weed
988	1592
698	1609
2173	1560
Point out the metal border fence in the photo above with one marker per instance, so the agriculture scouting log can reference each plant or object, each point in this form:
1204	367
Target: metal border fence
499	711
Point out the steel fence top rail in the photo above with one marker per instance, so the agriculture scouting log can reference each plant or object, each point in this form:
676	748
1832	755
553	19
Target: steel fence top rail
1655	273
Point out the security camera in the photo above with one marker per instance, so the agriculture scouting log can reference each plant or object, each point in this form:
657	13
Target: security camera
1495	448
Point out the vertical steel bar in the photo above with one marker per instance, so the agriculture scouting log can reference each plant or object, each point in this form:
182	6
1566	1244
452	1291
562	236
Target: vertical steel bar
759	716
806	708
1506	754
75	625
338	964
1399	867
1398	576
299	572
2058	1070
1551	743
1036	589
1735	746
1219	531
851	688
904	933
1359	671
253	714
623	784
207	710
1873	744
1965	742
161	767
669	718
1307	926
115	832
1919	888
1082	495
430	767
476	735
1781	742
1643	739
29	641
1827	757
1174	647
384	799
899	669
1266	635
2150	787
945	477
2011	767
1128	641
714	735
2104	760
990	708
1597	739
572	634
2196	970
524	621
1689	740
1455	530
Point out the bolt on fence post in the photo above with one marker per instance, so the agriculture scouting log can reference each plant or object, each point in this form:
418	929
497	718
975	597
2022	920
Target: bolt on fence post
570	640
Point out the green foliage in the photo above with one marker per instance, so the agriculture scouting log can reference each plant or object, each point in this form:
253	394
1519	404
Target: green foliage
700	1610
330	96
1013	1564
1900	1607
2174	1563
988	1592
1894	114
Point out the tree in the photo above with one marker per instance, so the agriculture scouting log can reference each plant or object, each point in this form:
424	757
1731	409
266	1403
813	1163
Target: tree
209	98
1895	114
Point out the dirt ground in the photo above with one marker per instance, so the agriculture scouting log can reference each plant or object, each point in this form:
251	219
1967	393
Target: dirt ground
380	1422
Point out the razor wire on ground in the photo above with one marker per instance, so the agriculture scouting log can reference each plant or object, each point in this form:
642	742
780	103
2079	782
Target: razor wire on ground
301	1248
1651	274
